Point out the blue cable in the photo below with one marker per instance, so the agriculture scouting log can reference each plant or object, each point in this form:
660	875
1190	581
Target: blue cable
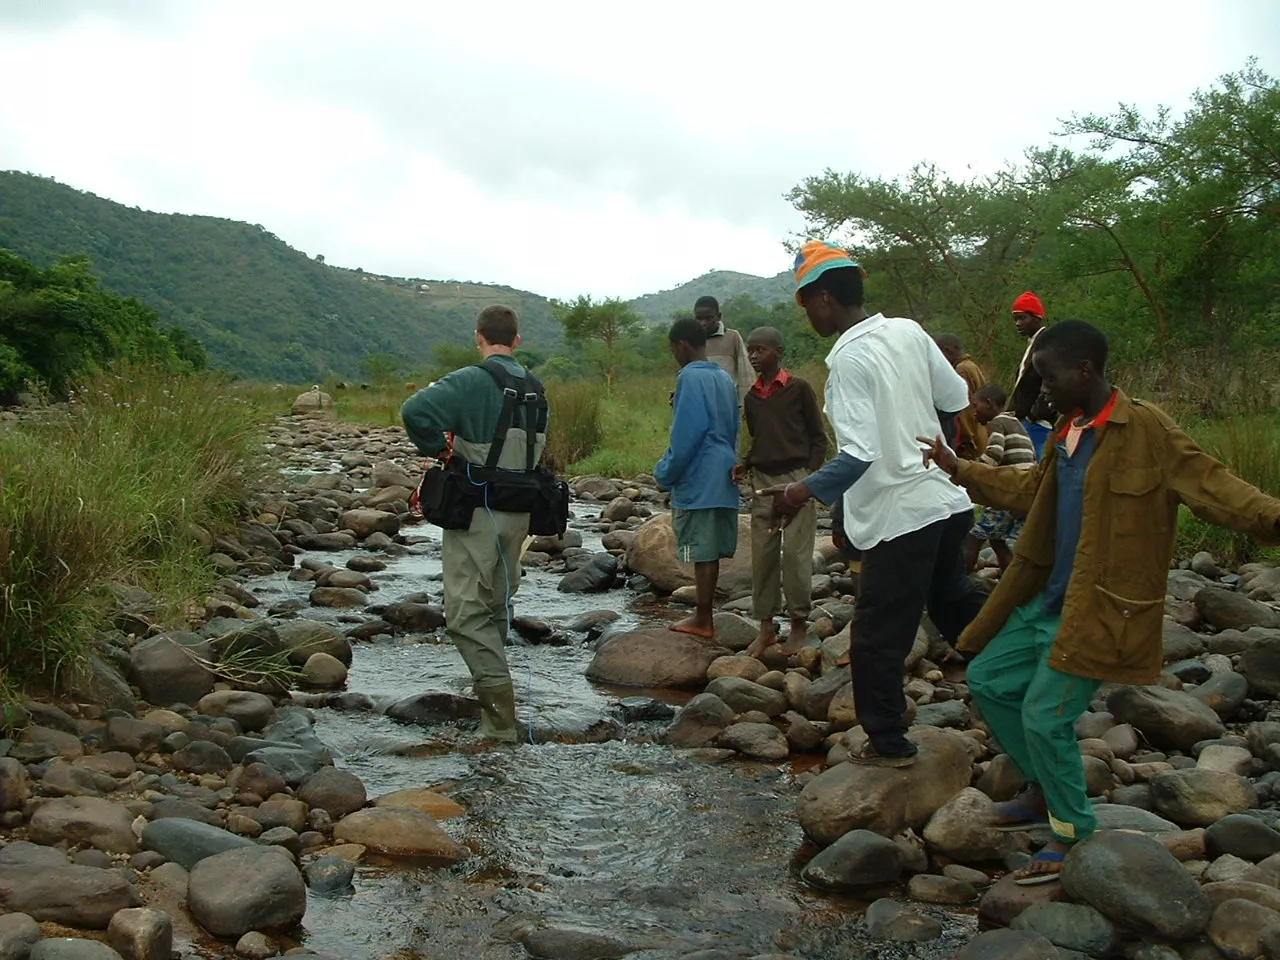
506	588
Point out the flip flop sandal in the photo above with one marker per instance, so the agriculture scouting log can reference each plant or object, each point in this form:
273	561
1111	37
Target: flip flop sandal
868	755
1036	879
1031	821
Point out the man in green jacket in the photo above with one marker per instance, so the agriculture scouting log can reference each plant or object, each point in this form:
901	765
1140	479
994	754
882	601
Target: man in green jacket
458	416
1082	603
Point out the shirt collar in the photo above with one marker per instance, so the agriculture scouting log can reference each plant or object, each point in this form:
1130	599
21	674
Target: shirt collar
1101	420
719	330
862	328
777	383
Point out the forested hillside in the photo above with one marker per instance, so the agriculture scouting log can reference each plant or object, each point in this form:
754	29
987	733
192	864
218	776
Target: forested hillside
721	284
261	308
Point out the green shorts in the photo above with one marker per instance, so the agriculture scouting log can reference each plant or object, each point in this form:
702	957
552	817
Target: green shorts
705	535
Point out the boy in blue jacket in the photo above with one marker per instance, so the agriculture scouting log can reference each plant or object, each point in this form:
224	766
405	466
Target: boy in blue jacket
698	468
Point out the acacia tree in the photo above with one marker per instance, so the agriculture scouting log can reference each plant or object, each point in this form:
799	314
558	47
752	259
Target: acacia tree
599	329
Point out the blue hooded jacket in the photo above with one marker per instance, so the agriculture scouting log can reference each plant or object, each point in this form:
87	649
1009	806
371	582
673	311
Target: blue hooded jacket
704	440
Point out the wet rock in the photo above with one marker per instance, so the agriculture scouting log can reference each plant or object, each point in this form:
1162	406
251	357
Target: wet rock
257	946
435	805
803	735
84	897
743	696
1169	719
763	741
187	842
1237	926
256	888
929	888
699	722
653	657
167	668
400	832
636	709
1198	797
202	756
100	823
564	943
744	668
414	617
961	829
1006	900
1226	610
281	812
72	948
1071	925
302	638
1242	836
1134	881
362	523
1008	945
597	575
856	860
591	621
853	796
434	707
819	694
141	933
324	672
889	920
335	791
340	597
291	762
330	874
252	711
18	932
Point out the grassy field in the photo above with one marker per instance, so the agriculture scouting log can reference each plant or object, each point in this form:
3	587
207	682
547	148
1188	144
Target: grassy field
104	494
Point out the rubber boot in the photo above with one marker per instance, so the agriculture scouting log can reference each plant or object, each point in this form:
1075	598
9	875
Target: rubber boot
497	713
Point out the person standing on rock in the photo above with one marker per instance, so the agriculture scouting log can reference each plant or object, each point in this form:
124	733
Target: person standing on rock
725	346
1082	604
888	381
698	469
788	442
1030	405
461	413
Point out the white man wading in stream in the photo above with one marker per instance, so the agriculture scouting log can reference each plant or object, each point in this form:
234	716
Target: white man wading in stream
492	418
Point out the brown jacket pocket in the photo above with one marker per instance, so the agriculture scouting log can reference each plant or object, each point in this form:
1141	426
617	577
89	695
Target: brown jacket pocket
1134	629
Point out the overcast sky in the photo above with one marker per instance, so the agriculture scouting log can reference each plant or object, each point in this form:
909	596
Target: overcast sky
567	147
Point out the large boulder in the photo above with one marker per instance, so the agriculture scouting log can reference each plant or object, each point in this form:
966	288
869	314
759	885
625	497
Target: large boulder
302	638
763	741
653	555
400	832
1198	797
853	796
142	933
187	842
1133	880
311	403
1237	928
744	695
334	791
858	859
251	710
170	668
362	523
69	894
1228	610
1169	719
961	829
102	824
257	888
699	721
1260	665
1008	945
1072	926
654	657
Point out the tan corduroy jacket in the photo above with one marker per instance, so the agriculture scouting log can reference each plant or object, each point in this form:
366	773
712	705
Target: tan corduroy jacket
1144	466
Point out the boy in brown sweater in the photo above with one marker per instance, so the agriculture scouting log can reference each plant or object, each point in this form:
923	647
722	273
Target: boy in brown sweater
788	442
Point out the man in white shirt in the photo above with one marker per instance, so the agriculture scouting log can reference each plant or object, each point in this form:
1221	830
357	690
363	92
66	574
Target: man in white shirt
888	384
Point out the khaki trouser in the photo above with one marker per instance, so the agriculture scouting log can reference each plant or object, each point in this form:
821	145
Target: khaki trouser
784	557
481	575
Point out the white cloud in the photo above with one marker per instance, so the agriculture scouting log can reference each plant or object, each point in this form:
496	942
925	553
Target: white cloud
565	147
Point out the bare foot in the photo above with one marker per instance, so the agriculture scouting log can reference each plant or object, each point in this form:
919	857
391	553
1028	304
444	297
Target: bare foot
767	637
797	637
695	626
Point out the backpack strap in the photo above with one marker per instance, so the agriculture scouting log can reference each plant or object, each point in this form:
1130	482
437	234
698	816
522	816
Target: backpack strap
516	391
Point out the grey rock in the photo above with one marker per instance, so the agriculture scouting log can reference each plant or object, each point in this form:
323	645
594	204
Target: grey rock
1169	719
699	722
1008	945
256	888
166	668
256	946
1115	816
330	874
961	829
252	711
101	823
889	920
858	859
14	789
133	736
293	763
202	756
434	707
302	638
323	672
1223	692
1242	836
256	778
141	933
1135	882
1260	665
167	807
930	888
819	694
743	696
1181	643
187	842
1237	928
763	741
84	897
23	853
1199	797
564	943
18	933
1226	609
1071	925
335	791
596	575
949	713
72	948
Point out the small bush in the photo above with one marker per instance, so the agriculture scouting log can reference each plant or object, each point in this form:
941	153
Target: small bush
106	494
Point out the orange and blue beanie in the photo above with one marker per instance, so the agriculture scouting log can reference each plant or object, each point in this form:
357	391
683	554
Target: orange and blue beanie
816	258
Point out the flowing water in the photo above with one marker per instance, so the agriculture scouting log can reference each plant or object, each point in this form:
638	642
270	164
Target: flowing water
673	851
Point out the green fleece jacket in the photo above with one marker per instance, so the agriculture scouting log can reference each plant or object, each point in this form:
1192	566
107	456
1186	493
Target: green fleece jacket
468	404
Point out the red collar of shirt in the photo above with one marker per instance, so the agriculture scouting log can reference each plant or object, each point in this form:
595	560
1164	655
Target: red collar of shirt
765	390
1104	415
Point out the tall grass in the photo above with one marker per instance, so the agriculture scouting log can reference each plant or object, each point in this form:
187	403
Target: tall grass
106	493
574	428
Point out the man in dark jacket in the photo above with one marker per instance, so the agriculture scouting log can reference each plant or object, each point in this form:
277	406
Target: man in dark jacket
1030	405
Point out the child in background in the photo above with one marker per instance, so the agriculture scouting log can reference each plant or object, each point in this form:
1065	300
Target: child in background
698	467
788	442
1008	445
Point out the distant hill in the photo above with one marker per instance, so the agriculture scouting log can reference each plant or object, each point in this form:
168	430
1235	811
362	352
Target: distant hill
721	284
261	308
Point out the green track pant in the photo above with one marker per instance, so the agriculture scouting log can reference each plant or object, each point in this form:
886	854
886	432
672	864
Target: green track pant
1032	710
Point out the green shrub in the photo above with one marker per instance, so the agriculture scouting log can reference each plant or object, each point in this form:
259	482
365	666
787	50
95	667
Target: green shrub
106	494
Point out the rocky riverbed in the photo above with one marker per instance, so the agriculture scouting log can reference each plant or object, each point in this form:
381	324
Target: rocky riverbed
293	776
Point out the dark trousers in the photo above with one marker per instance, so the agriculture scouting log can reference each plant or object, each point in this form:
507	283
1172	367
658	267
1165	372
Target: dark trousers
901	578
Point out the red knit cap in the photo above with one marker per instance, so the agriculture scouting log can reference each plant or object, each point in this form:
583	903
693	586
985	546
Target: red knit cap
1029	303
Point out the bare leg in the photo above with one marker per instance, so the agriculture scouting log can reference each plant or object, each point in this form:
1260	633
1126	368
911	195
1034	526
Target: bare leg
1003	554
767	637
972	547
701	623
796	639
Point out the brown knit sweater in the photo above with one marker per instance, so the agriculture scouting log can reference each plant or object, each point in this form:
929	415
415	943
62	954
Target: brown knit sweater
786	428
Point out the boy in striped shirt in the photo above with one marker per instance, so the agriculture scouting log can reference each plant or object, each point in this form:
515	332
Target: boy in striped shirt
1008	445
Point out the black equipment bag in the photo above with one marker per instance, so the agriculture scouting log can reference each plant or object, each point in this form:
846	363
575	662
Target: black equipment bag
450	494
